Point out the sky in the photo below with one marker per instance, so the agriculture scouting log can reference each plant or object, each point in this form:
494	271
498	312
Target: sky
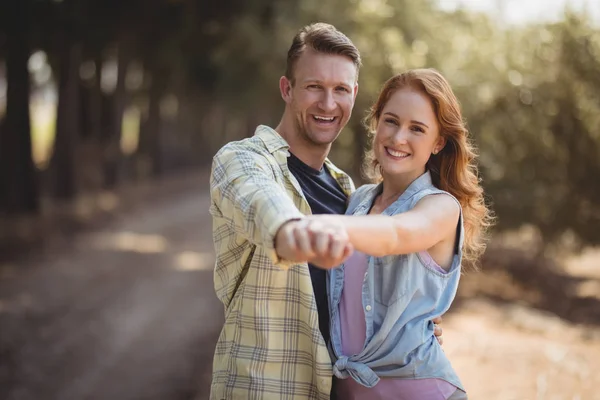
524	11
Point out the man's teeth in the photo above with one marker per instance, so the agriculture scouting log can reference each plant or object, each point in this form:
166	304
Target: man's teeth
326	119
397	153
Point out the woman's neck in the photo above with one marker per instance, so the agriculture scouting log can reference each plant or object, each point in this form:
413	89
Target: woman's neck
385	199
393	187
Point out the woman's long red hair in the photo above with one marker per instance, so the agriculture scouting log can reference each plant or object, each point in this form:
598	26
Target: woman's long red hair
453	169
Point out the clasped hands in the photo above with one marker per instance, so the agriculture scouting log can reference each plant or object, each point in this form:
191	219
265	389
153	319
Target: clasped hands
320	240
324	242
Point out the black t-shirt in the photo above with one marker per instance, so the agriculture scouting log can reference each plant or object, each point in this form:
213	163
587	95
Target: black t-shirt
324	196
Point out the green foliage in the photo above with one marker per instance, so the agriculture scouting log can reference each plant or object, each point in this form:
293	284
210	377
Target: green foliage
530	94
539	134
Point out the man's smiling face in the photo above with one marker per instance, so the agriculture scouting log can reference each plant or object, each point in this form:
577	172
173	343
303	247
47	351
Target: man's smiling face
321	96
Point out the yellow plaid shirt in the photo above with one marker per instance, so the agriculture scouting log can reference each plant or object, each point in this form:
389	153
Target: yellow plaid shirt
270	346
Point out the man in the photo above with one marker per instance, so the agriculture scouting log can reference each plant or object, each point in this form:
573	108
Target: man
273	343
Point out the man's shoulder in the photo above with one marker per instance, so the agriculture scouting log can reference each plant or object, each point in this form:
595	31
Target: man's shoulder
247	158
248	149
250	145
334	168
339	175
265	141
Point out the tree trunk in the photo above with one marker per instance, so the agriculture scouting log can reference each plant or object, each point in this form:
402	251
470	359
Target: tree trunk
96	100
150	136
193	118
19	190
112	145
67	121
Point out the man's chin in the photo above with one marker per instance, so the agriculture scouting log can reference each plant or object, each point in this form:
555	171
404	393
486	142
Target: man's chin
322	142
322	138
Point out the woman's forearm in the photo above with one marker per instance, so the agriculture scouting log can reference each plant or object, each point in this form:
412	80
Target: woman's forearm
381	235
432	220
377	235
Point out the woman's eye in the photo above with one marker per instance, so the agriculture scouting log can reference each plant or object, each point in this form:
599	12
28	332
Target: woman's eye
391	121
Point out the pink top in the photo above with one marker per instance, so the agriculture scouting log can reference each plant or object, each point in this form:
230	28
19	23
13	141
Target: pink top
354	328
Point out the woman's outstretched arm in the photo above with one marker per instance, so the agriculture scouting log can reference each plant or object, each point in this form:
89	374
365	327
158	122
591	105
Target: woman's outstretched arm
431	221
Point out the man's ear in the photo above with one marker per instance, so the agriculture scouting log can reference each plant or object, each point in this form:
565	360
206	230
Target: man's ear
355	90
285	87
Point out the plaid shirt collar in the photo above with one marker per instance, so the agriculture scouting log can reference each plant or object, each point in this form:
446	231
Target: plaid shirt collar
277	146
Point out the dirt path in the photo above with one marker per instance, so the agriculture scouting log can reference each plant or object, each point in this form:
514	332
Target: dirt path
515	353
128	312
523	329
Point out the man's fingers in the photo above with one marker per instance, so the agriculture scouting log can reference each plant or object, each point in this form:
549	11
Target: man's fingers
302	239
348	250
285	243
338	251
318	237
289	240
336	247
328	243
321	243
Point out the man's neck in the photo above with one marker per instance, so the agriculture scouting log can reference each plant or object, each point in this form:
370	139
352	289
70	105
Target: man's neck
310	154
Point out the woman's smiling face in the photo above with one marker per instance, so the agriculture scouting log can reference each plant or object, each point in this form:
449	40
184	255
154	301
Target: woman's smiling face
407	134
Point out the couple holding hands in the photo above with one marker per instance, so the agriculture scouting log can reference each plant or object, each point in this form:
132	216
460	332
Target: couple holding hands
332	292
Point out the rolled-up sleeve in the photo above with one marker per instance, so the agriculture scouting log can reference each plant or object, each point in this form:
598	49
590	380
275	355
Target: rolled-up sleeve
246	195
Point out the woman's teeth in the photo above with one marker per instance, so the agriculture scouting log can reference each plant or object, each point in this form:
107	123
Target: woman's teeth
395	153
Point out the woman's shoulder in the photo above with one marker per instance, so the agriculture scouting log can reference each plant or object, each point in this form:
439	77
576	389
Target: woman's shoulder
435	194
440	200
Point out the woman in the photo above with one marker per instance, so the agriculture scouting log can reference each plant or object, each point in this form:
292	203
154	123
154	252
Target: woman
411	234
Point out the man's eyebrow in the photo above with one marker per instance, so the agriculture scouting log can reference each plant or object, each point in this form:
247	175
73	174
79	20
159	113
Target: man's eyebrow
310	80
412	121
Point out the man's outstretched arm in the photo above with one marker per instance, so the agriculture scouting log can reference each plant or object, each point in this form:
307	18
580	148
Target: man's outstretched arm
246	195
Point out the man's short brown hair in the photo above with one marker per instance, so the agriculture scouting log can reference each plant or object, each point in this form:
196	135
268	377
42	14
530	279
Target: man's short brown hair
322	38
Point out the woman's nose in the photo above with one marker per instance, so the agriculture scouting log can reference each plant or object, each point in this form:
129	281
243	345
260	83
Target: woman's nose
401	135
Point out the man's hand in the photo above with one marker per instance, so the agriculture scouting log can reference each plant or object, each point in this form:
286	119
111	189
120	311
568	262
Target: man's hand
437	329
321	242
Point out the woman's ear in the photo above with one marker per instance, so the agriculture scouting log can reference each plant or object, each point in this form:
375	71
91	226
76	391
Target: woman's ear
440	144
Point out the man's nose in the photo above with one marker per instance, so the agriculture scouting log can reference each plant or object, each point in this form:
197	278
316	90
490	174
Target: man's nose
327	101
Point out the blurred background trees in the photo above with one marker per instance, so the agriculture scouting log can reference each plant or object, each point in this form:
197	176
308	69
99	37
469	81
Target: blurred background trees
98	93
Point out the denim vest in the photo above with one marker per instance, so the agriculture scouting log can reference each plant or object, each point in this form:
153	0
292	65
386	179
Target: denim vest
400	296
